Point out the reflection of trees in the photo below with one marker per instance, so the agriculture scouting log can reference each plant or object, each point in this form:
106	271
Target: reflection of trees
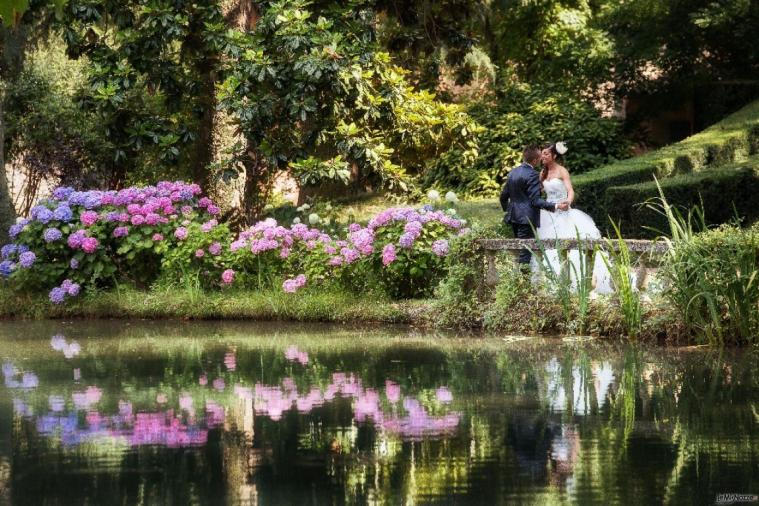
555	422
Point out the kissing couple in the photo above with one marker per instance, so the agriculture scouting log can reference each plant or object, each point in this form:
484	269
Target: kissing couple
531	215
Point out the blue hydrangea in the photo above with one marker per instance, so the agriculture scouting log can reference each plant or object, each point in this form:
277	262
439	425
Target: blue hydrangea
44	215
77	198
22	248
6	268
8	250
52	234
57	295
16	229
62	193
27	259
92	200
63	213
74	263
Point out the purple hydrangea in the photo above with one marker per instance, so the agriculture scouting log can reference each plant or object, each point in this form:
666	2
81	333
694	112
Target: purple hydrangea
62	192
406	240
52	234
6	268
440	247
27	259
74	263
73	290
57	295
120	231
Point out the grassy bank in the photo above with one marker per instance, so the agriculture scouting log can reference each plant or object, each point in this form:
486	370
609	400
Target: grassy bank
307	306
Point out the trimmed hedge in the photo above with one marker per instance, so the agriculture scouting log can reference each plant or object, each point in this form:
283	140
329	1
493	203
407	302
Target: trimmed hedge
731	140
722	193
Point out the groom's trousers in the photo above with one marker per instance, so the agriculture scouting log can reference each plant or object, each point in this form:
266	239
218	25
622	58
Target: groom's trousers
523	231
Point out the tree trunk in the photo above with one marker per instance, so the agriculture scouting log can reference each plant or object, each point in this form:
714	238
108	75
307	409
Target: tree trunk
203	150
258	181
7	212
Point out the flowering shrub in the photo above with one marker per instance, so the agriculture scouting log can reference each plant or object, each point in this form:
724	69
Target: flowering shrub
93	238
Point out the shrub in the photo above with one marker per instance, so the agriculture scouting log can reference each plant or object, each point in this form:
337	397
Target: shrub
724	195
713	280
97	238
729	141
529	115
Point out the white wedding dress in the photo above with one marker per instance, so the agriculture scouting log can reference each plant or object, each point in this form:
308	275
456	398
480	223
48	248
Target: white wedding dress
569	225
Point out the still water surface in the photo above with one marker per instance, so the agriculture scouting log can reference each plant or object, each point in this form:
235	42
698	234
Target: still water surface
201	413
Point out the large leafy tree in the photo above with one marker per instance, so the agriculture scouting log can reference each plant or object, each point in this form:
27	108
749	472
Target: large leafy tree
310	91
153	71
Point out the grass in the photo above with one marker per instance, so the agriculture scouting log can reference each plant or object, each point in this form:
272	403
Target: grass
306	306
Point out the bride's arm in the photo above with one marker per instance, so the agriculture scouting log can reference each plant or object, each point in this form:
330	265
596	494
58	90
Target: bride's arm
568	185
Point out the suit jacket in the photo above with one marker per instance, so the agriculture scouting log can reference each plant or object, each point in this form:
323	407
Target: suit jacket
520	197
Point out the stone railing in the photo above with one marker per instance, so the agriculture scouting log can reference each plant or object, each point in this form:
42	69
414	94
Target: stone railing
645	254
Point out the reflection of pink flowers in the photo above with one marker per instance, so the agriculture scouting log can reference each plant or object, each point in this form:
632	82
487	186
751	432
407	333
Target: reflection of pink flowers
230	361
218	384
443	395
161	398
203	380
392	391
293	354
185	402
83	400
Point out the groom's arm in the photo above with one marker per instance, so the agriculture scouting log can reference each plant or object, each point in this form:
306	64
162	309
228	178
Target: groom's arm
505	196
533	192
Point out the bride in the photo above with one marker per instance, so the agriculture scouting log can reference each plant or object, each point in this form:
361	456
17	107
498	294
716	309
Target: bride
567	224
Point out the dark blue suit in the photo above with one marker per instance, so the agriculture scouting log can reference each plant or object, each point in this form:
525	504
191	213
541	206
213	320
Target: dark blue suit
521	200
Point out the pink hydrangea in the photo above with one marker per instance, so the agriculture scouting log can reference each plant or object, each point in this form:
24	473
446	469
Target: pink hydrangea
137	220
293	285
199	253
228	276
88	218
157	237
90	244
208	226
388	254
180	233
215	249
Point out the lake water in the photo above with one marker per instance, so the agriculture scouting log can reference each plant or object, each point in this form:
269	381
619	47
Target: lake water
242	413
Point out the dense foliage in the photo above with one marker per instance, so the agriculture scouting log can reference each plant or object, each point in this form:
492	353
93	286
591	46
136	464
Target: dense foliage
527	114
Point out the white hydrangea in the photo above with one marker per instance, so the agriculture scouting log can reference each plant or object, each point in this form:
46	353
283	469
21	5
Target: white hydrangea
313	218
433	195
296	220
451	197
451	212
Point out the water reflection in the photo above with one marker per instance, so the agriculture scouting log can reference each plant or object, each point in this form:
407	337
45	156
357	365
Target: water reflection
305	418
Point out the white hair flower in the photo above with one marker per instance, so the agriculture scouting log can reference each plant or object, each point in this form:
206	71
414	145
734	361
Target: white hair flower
451	197
433	195
561	148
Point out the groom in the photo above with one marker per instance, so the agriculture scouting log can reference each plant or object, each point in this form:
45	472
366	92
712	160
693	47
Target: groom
521	199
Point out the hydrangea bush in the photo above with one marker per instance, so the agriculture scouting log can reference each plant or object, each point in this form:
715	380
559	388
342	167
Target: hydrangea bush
76	240
97	238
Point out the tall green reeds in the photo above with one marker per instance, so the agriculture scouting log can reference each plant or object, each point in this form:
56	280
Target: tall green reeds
571	284
712	276
621	268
